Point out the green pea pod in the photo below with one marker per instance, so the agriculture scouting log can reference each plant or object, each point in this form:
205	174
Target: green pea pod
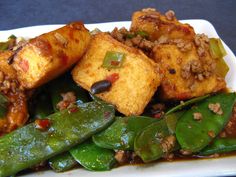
66	84
148	143
30	145
220	145
3	105
172	119
62	162
92	157
120	135
186	103
194	135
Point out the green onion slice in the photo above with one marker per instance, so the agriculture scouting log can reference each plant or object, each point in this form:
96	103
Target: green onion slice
113	59
216	48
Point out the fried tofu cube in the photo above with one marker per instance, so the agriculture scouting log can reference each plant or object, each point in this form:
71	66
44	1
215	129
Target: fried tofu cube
158	25
137	78
47	56
4	66
186	75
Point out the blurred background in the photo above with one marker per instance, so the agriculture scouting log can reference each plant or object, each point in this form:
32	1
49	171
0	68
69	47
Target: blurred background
21	13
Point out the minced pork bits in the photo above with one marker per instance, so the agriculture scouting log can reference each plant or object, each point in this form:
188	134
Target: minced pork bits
197	116
216	108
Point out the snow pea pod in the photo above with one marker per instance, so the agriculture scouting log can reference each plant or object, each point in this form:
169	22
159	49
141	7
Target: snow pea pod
92	157
193	135
152	143
171	120
220	145
186	103
66	84
31	144
62	162
120	135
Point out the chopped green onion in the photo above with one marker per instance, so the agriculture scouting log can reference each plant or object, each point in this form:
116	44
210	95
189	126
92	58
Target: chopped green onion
130	35
216	48
221	67
142	34
12	37
113	60
10	42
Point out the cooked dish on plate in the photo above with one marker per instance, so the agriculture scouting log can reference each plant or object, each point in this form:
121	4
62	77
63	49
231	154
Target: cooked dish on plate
73	97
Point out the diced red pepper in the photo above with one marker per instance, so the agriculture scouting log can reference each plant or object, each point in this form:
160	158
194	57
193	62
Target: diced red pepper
42	124
74	109
24	65
113	77
158	115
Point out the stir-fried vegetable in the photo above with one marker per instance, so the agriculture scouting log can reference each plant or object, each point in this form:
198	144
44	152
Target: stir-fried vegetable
93	157
216	48
186	103
221	67
63	85
202	123
113	59
35	142
10	43
62	162
152	142
220	145
120	135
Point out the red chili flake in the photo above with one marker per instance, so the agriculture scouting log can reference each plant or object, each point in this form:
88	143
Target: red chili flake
115	63
186	30
113	77
107	115
42	124
183	96
74	109
157	115
24	65
63	57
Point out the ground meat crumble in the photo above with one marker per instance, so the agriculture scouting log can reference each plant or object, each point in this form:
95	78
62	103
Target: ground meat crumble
68	98
168	143
202	43
126	157
216	108
8	84
211	134
200	70
197	116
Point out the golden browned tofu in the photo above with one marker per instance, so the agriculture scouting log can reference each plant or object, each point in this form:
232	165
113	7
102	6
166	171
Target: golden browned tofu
50	54
135	81
4	66
186	75
17	113
157	25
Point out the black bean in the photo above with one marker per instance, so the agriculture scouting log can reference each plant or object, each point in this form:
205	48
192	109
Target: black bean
100	86
172	71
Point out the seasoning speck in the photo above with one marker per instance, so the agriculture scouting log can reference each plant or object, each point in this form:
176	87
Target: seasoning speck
211	134
197	116
172	71
216	108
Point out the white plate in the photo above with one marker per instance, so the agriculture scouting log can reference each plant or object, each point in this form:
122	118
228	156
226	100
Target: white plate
208	167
